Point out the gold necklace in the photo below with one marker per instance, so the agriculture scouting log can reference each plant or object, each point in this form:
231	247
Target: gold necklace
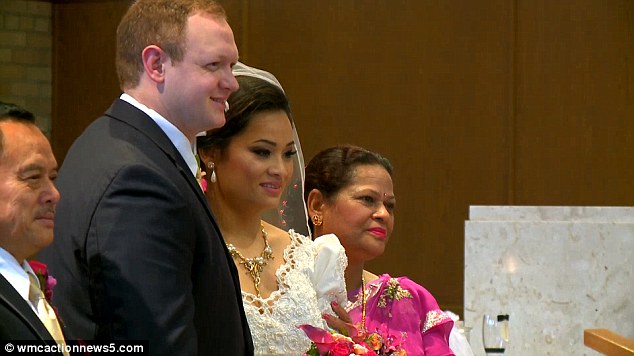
363	301
254	265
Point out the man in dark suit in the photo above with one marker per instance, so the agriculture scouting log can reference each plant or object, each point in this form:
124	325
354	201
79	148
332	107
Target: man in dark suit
27	208
138	255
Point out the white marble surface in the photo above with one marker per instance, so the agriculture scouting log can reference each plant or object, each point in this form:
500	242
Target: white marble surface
552	213
555	270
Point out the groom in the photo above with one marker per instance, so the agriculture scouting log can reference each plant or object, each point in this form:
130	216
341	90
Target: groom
138	255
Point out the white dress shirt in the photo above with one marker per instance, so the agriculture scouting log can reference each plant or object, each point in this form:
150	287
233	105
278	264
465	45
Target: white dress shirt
182	144
16	274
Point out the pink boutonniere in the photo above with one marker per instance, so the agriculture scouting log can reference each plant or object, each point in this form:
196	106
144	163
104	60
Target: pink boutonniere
47	282
200	176
201	181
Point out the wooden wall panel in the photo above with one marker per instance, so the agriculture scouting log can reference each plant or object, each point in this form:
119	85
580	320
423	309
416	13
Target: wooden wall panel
425	83
575	103
84	78
488	102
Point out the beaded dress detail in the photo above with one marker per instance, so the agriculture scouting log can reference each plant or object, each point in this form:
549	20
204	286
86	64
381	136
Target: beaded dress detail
308	280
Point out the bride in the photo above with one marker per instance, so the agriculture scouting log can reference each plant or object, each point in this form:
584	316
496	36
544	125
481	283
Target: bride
254	168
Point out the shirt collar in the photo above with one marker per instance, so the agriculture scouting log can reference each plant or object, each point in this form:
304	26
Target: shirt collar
15	274
178	139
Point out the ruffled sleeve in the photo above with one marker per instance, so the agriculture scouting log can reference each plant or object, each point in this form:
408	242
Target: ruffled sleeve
328	277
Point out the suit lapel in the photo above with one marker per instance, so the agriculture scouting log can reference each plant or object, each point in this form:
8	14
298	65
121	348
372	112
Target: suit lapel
130	115
14	301
125	112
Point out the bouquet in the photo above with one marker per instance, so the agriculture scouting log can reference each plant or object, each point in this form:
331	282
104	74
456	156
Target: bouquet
327	343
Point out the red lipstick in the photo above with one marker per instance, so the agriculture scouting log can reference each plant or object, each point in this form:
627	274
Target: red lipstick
378	232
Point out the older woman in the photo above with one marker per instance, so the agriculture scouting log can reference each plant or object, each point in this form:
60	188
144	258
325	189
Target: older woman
349	193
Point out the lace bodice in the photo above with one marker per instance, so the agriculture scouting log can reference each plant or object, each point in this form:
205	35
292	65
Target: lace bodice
308	280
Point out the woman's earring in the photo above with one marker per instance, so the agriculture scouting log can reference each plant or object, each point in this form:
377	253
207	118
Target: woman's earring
212	176
317	220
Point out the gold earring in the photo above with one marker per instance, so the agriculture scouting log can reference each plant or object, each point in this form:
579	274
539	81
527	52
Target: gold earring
317	220
212	176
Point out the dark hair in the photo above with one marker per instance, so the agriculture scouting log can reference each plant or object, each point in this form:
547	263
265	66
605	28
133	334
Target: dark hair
255	95
158	22
332	169
12	112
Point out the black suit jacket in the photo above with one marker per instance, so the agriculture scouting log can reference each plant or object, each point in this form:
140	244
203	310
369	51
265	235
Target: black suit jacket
17	320
137	253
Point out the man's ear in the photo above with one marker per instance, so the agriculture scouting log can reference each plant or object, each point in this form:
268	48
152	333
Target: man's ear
315	203
154	62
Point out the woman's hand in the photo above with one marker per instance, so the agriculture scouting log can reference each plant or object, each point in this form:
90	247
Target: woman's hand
342	322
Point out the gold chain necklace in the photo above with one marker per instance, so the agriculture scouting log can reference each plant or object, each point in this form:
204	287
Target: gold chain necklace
254	265
363	302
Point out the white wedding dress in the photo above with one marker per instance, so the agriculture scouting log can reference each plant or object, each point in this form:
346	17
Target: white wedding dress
311	276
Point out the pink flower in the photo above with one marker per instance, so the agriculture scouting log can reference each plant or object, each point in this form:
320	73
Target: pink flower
322	338
363	349
39	268
341	348
329	343
385	344
47	283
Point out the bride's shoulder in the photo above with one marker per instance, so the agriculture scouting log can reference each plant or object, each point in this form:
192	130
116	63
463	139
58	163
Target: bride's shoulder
278	238
281	239
273	231
298	238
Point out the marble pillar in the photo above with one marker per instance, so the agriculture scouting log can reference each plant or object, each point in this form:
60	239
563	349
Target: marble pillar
555	270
